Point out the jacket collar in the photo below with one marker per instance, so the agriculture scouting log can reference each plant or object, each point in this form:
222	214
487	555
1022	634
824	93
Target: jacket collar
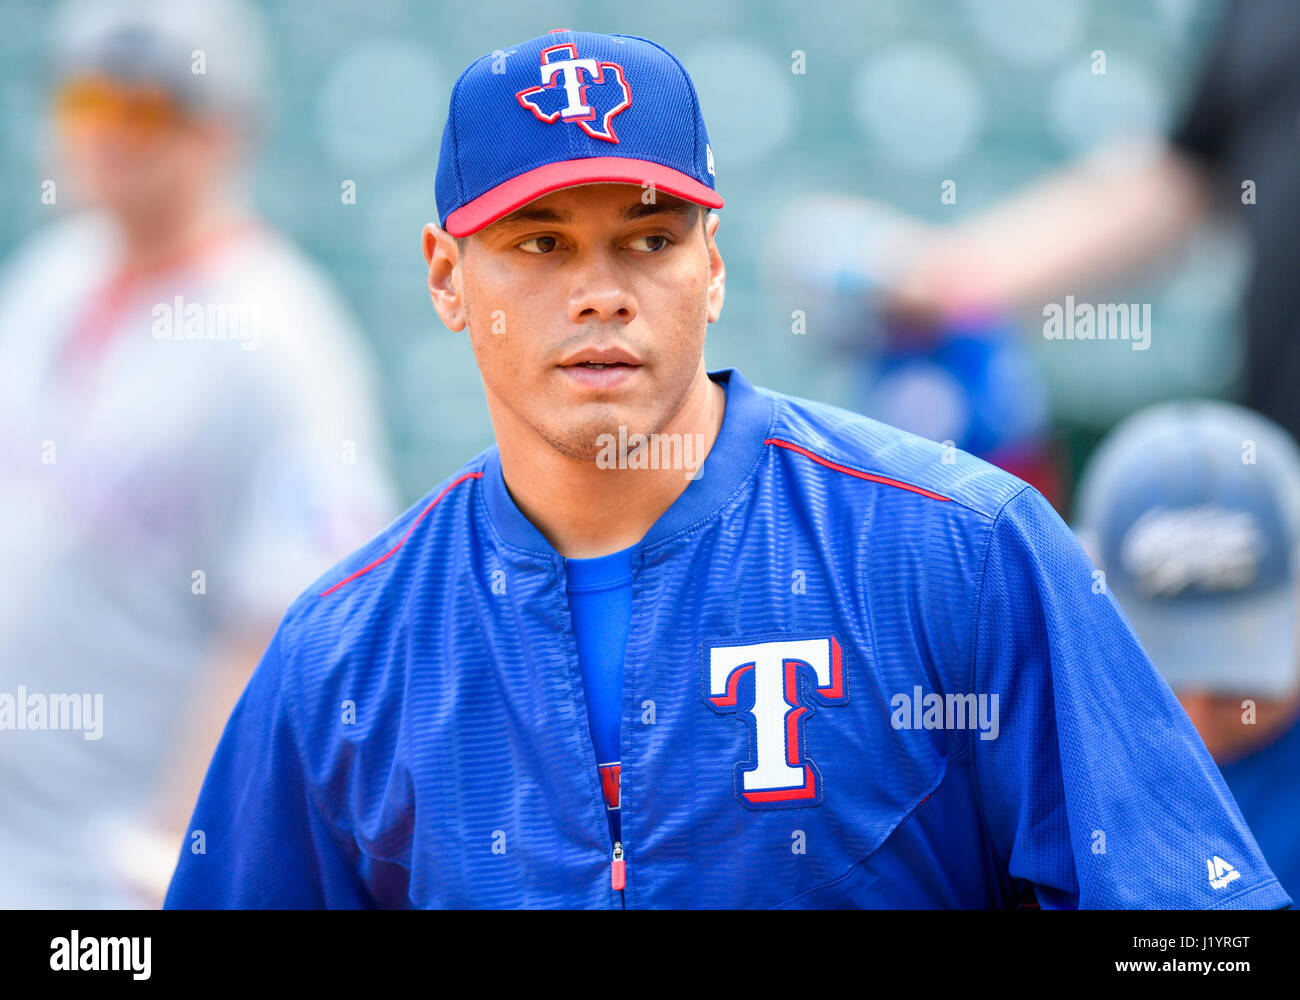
745	425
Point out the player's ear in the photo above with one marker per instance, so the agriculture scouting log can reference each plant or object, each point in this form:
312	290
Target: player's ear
442	254
717	270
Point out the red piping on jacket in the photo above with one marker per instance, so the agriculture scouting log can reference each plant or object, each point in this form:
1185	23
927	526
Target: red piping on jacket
854	472
367	569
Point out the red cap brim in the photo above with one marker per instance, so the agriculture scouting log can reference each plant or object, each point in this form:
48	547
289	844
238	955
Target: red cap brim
519	191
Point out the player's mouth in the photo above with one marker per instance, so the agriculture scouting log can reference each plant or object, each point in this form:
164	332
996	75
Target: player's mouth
603	368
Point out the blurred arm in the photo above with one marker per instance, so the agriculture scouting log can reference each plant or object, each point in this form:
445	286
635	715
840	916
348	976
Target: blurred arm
146	855
1098	219
200	731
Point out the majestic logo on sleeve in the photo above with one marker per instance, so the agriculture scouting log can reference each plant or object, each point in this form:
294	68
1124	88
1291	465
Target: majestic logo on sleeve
563	93
774	687
1221	873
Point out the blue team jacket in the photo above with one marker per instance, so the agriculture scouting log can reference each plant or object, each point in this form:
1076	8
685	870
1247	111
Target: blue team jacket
863	670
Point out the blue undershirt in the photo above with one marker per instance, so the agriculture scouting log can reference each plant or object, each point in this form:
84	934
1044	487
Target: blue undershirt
1266	785
600	598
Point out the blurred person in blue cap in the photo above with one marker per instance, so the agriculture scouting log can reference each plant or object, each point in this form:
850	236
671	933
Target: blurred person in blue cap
188	432
1192	510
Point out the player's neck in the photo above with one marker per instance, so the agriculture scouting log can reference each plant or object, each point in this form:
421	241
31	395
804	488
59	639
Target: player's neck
585	510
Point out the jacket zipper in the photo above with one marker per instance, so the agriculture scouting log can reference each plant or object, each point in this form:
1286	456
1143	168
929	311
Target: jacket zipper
617	874
617	869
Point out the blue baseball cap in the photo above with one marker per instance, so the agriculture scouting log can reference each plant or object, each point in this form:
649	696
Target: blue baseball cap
568	108
1192	509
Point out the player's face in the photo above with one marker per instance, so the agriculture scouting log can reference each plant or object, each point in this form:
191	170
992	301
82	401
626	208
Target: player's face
587	311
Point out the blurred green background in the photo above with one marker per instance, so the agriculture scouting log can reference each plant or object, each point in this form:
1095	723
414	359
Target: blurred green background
898	95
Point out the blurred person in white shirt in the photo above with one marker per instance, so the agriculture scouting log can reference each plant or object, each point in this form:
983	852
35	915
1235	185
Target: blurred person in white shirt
188	434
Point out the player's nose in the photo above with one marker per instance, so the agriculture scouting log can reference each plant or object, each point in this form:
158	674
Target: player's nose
599	292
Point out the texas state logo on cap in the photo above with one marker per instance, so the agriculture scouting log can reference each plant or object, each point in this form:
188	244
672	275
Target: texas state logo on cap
570	107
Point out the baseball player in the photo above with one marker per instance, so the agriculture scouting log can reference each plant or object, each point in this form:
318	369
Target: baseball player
677	640
1193	511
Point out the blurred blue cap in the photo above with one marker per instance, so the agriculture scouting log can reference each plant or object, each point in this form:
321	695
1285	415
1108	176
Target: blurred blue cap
1192	509
568	108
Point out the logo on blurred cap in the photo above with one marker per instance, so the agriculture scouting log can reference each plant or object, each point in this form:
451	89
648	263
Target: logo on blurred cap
565	81
1171	550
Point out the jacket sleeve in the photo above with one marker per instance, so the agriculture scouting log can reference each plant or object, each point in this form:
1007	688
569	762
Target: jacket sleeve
1097	789
257	838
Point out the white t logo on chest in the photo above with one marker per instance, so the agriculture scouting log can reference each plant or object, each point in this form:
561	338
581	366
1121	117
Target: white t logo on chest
779	773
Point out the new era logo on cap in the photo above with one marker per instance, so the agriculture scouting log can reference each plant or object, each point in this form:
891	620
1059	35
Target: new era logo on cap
570	108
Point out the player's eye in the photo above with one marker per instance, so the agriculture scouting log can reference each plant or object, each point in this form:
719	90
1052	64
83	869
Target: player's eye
538	244
657	243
